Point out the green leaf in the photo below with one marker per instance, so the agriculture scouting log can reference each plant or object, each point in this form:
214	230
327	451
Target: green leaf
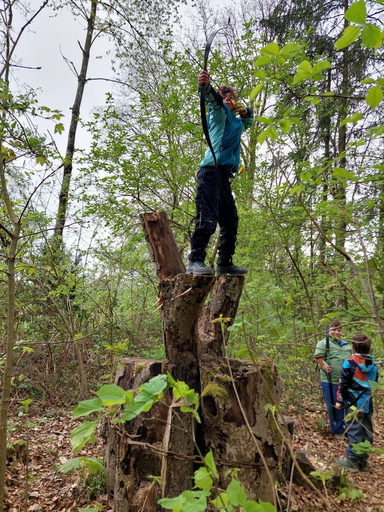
264	120
368	81
262	136
285	125
70	465
87	407
256	91
350	35
251	506
296	190
264	60
94	465
210	463
304	72
156	385
40	160
266	507
371	36
236	493
340	172
374	96
320	66
221	501
82	434
271	49
272	133
111	394
357	116
171	503
357	13
203	479
289	49
59	128
355	494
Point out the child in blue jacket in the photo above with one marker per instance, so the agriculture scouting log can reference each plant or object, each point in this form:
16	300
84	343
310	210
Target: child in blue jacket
355	389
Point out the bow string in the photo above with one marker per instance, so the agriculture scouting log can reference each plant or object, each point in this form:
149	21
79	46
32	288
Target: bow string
203	90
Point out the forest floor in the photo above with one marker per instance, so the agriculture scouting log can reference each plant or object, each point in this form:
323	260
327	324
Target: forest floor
47	429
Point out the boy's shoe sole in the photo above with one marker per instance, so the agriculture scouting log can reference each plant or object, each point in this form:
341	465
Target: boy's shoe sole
230	270
199	269
347	464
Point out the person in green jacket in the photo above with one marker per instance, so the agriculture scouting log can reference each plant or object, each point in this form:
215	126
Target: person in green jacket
330	362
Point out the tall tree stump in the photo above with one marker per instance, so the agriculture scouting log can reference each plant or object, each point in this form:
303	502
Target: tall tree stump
163	442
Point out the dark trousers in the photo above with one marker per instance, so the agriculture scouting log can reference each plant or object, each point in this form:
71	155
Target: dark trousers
215	204
358	431
336	416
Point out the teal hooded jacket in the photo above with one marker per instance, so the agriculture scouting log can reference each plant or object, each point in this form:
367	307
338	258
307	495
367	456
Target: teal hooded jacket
225	131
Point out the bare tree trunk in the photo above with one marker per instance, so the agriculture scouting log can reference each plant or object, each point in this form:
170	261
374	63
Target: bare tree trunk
67	173
7	377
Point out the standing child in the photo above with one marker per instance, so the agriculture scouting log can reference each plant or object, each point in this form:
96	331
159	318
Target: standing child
355	390
215	203
330	354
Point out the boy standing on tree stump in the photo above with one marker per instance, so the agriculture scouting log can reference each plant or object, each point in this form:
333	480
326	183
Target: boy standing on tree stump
355	390
215	203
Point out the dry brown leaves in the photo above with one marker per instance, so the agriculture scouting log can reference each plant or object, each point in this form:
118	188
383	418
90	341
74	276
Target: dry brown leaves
307	436
49	446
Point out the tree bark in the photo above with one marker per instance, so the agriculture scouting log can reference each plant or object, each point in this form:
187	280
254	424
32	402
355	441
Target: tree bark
68	163
168	443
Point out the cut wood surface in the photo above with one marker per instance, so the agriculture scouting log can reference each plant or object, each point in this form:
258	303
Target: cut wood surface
161	245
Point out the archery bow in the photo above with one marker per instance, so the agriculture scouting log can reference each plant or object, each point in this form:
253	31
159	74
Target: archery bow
203	91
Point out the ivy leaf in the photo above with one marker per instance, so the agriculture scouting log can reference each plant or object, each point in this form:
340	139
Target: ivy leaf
371	36
349	36
357	13
374	96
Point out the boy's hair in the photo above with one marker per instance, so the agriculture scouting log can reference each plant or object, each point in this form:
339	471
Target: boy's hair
361	343
226	89
335	323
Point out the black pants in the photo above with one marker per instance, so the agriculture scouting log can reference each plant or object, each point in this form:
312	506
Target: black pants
214	205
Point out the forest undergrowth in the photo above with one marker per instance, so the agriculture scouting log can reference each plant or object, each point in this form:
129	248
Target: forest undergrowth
34	484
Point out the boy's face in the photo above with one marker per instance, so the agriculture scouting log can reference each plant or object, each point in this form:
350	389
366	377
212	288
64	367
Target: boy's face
336	332
228	98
